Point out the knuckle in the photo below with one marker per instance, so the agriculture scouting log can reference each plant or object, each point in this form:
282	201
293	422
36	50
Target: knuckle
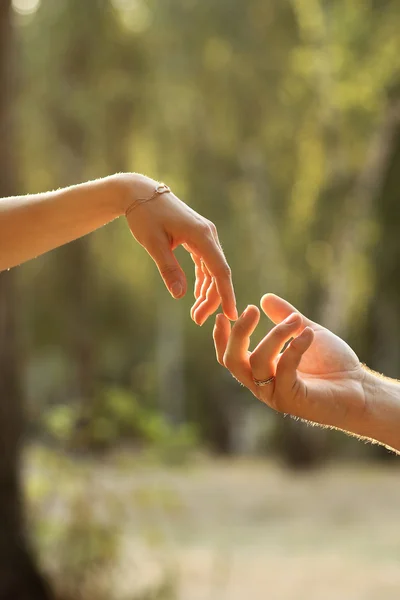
279	331
204	229
167	270
224	271
239	329
212	227
229	361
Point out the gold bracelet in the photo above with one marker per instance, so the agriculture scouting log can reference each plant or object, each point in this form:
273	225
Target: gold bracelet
160	189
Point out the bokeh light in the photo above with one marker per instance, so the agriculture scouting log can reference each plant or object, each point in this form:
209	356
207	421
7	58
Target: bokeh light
25	7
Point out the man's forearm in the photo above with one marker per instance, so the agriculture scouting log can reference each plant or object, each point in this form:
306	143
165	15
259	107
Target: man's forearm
32	225
383	410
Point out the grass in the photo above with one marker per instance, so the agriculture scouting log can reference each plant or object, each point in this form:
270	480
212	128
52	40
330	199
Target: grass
124	529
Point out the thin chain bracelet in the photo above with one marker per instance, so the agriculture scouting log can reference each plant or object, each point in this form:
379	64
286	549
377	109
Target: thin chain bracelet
160	189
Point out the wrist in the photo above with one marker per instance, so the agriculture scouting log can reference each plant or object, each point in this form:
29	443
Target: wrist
382	398
132	186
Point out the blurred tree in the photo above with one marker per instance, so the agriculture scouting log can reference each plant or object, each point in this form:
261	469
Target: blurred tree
269	117
19	578
384	346
90	64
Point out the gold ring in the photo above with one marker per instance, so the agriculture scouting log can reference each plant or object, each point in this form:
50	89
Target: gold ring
262	382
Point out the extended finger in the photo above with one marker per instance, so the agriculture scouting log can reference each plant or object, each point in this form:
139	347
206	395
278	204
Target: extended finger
263	358
199	273
168	266
208	306
221	333
214	258
207	281
236	357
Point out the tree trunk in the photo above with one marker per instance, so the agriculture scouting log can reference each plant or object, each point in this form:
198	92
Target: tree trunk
361	207
19	578
76	272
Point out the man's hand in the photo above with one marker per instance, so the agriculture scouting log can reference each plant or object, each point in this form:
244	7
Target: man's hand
166	222
318	377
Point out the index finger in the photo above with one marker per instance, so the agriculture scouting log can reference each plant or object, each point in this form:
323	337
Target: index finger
216	263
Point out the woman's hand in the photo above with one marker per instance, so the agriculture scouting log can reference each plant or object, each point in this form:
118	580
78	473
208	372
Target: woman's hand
166	222
317	377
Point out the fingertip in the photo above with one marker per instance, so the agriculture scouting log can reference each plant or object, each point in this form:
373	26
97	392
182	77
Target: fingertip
221	320
266	302
195	306
250	311
231	313
219	317
195	320
266	297
311	333
178	289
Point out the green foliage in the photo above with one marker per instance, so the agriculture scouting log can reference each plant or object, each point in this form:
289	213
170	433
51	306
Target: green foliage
84	532
263	116
87	544
117	417
168	443
59	422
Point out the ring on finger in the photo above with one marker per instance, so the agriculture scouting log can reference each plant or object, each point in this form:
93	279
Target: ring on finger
262	382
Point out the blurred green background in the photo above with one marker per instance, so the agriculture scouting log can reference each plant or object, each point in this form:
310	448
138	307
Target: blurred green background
148	472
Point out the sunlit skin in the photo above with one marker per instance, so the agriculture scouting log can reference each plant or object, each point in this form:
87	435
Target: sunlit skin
34	224
318	377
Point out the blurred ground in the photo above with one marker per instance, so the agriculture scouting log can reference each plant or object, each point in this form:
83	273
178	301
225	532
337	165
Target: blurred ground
224	530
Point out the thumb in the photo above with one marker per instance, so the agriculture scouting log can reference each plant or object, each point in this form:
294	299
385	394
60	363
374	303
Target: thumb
169	268
278	309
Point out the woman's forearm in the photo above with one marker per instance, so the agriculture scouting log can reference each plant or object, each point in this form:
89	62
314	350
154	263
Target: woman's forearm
383	409
34	224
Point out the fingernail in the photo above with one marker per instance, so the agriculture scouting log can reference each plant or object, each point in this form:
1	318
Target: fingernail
293	317
235	314
177	289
